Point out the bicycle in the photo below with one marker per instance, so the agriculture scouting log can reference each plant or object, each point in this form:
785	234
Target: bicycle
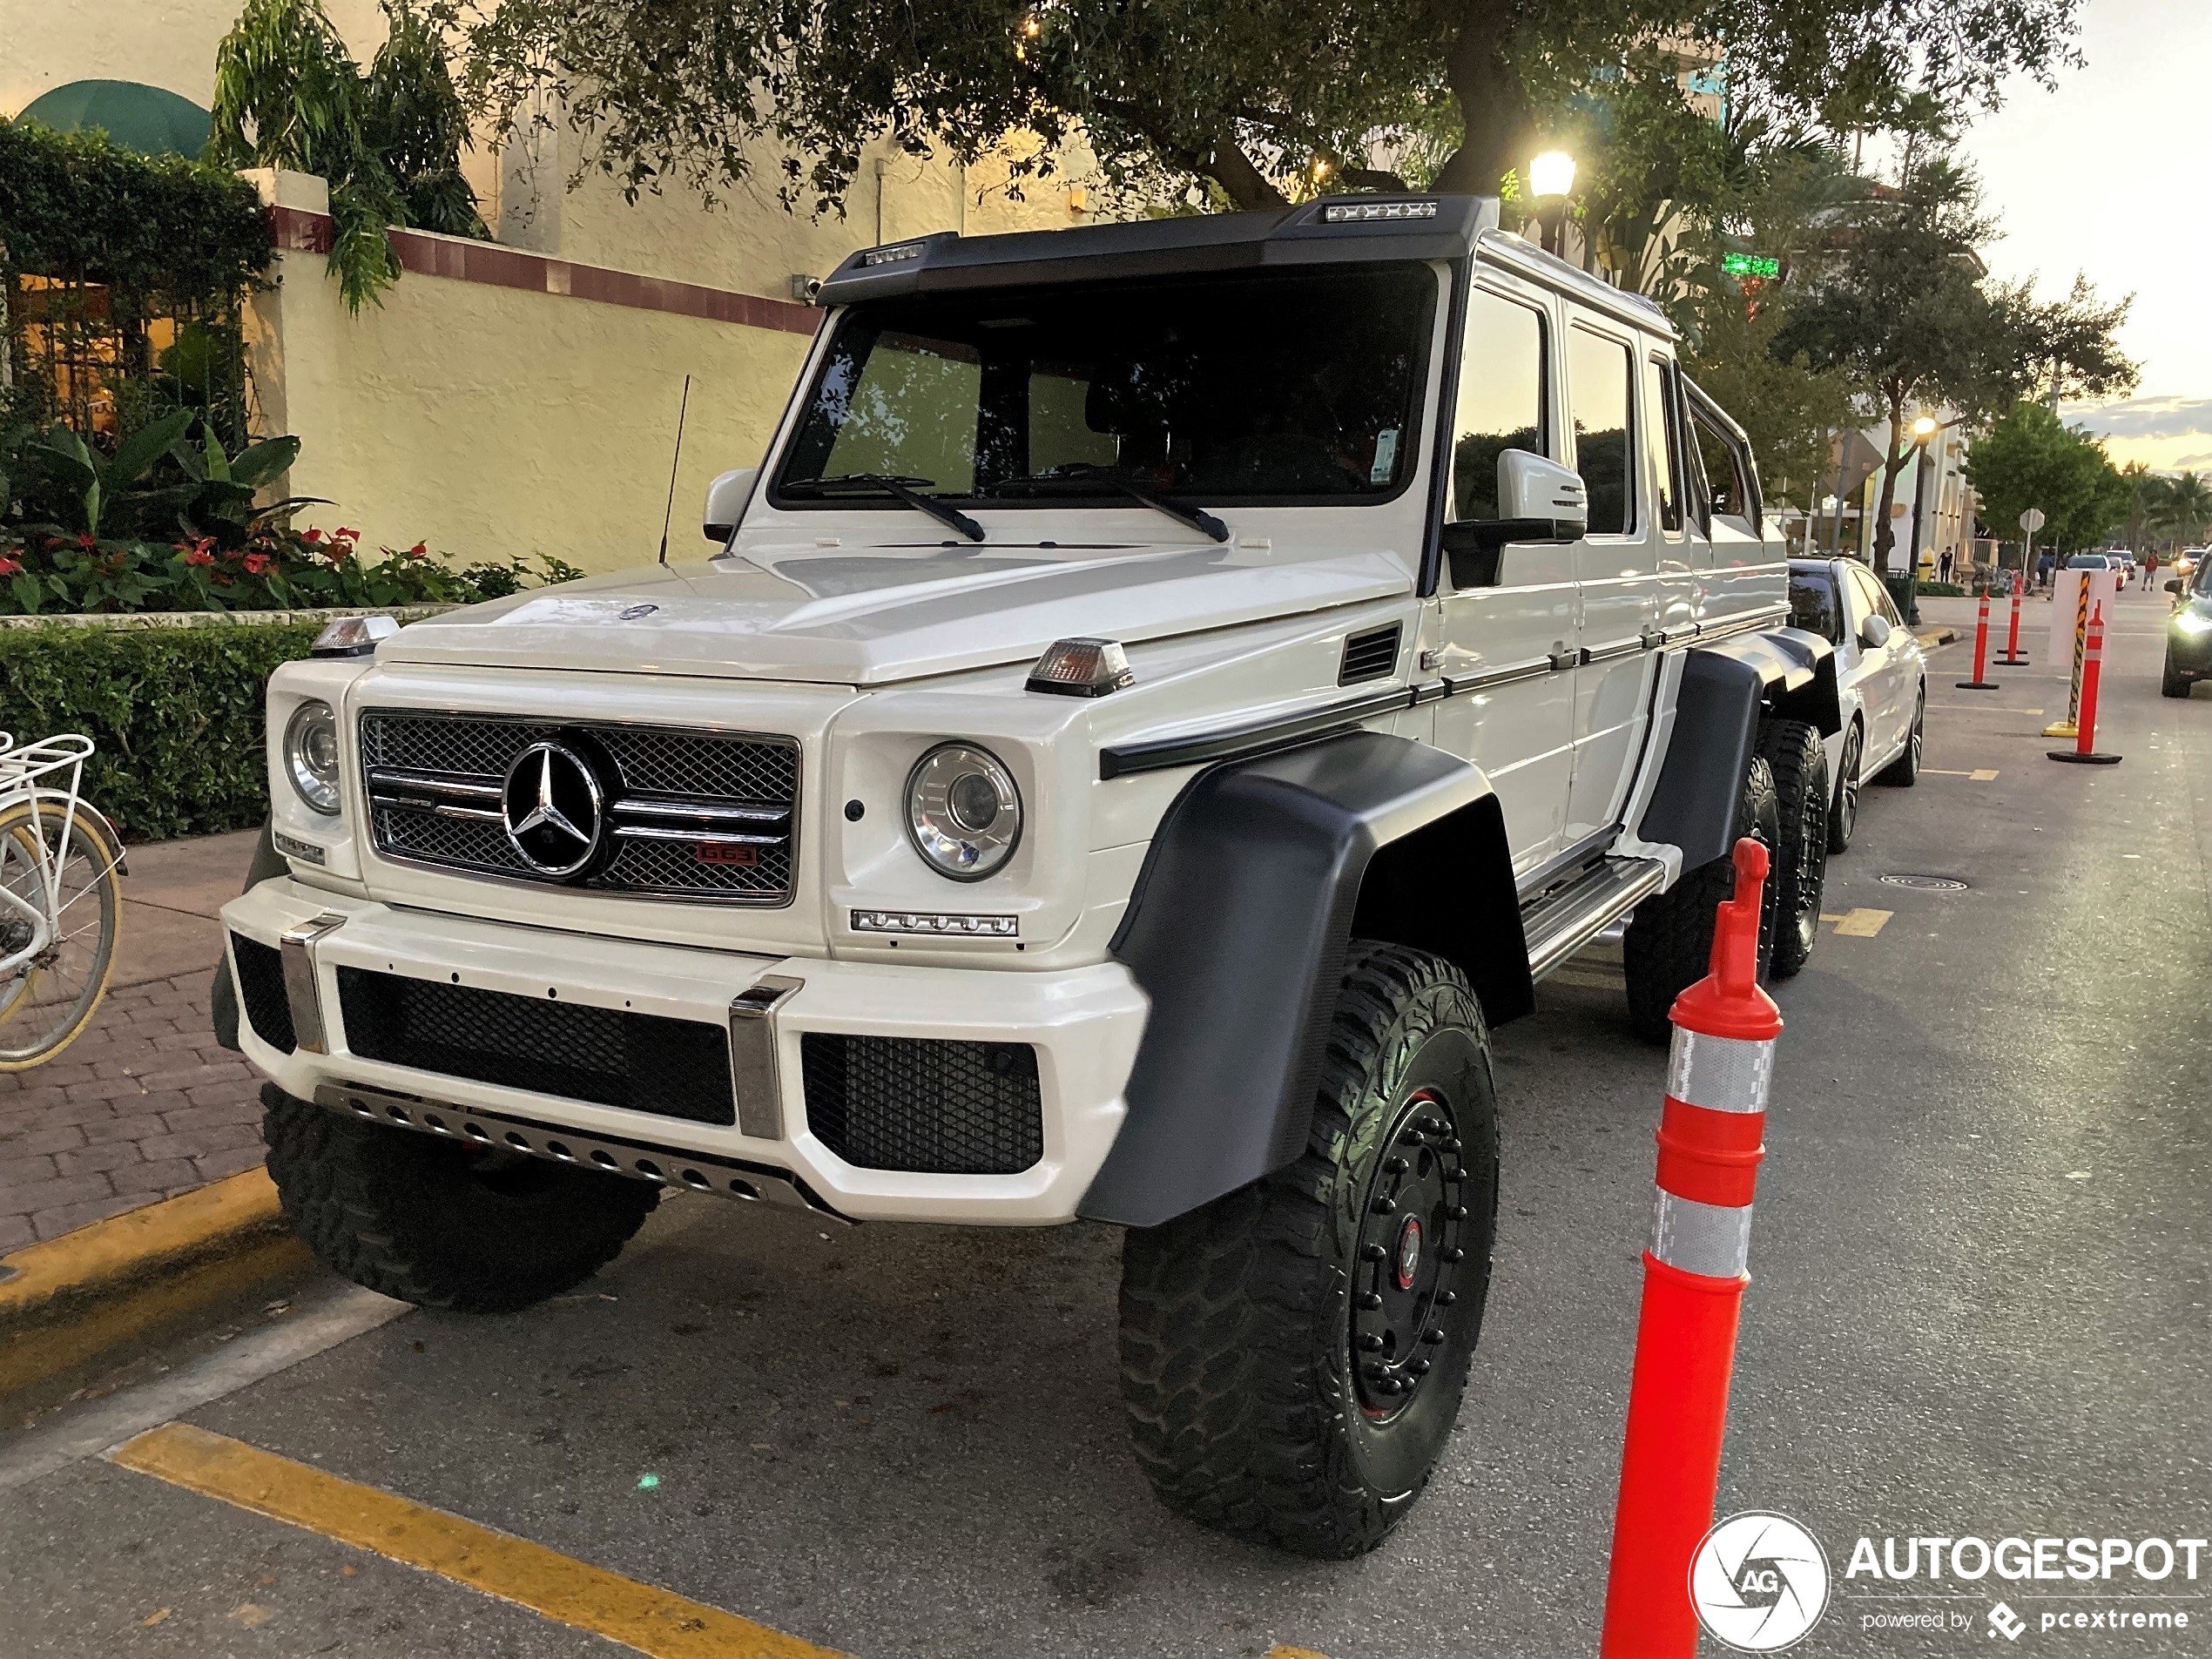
56	853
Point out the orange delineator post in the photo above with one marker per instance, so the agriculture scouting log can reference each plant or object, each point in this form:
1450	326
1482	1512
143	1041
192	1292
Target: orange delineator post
2011	657
1710	1142
2084	752
1980	682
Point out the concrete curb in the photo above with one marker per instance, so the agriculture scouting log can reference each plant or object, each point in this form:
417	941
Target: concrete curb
65	1300
1942	634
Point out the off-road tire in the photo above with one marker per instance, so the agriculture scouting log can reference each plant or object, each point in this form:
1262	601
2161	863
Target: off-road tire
1668	947
1793	753
2171	682
1252	1405
439	1224
1904	771
1843	816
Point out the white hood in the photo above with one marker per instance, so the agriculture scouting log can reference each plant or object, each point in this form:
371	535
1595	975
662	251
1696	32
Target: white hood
869	615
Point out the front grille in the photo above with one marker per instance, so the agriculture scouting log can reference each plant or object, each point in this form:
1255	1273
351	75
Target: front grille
261	996
689	814
924	1104
608	1056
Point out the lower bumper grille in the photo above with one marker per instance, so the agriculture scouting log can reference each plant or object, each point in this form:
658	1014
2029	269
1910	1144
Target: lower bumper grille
642	1063
261	996
923	1104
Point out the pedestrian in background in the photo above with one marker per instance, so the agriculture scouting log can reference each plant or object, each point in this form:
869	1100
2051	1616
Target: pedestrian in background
1943	565
2043	567
2150	569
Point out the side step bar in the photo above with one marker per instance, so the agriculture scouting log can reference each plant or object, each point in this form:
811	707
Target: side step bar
1564	920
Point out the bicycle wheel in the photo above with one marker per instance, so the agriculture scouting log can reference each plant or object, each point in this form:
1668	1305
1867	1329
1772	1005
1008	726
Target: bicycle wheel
46	1003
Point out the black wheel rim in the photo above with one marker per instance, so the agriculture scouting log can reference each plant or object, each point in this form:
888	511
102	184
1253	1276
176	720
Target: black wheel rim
1410	1255
1849	814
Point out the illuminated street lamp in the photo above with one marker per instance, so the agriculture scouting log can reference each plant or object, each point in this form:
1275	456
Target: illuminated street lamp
1551	180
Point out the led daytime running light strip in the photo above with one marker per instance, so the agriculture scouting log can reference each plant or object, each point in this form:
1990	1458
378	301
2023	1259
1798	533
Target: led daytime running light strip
924	921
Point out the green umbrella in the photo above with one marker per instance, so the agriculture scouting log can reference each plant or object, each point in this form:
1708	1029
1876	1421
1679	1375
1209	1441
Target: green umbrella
137	117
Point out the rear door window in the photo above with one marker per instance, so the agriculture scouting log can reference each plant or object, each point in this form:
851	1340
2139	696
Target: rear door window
1600	389
1502	398
1662	443
1727	475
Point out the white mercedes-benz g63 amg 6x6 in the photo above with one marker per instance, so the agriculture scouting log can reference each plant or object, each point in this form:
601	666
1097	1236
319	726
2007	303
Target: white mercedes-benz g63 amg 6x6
1170	690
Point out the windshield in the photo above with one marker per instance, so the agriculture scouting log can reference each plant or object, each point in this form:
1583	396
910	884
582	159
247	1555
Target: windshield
2201	581
1221	389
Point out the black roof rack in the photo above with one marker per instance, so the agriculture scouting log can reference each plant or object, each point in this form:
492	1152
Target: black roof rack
1333	230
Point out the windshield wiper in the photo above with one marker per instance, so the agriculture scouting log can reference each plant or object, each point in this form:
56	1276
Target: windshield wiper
898	486
1089	476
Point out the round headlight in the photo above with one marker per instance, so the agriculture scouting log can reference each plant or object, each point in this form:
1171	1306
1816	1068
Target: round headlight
311	755
963	812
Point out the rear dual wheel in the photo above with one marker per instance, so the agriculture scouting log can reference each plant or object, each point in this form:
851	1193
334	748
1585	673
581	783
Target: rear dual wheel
1668	947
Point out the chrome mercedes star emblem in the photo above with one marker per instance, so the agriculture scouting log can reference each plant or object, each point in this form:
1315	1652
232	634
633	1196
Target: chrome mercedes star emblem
552	808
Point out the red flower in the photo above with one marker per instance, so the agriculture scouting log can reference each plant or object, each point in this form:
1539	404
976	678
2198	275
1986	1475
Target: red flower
311	537
420	550
344	534
10	566
256	562
88	542
200	556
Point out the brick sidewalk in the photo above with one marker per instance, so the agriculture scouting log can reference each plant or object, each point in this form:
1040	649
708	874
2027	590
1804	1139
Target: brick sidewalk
143	1105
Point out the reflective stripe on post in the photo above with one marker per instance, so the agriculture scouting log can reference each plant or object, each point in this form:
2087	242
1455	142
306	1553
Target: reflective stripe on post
1711	1139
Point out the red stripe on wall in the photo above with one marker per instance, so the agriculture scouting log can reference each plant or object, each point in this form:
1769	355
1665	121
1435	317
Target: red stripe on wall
459	260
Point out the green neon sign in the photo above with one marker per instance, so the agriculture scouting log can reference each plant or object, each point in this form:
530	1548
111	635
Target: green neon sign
1750	264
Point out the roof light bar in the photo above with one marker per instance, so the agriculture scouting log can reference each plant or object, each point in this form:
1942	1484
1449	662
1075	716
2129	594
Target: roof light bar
1364	212
930	921
892	255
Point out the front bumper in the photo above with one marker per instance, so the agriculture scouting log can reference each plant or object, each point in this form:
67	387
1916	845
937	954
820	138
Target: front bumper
1084	1025
2190	652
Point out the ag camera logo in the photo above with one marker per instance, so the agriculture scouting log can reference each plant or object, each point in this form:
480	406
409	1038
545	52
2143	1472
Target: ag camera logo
1759	1583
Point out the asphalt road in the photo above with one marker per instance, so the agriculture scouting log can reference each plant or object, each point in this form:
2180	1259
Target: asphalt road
1979	1307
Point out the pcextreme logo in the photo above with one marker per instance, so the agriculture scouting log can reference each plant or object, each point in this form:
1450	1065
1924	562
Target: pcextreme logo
1759	1583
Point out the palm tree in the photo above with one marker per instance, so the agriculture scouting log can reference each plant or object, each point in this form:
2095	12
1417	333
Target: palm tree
2187	505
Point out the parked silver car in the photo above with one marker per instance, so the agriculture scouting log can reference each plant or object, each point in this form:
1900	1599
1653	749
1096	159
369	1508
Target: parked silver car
1881	678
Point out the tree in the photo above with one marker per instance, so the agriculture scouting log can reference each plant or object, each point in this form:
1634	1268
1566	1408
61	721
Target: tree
2030	458
2185	507
1902	307
1243	98
288	94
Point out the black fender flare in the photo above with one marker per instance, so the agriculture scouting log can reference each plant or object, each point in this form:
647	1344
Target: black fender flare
1238	930
1726	688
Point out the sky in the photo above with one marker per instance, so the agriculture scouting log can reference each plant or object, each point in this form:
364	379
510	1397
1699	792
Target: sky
2109	175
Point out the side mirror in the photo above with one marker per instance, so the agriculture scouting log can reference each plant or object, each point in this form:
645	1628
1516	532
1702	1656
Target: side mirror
725	499
1536	487
2173	584
1874	632
1538	501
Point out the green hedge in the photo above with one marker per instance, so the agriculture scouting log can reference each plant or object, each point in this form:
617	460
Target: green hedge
176	712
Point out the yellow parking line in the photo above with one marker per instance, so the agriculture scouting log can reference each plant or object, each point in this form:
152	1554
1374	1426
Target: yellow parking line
1980	777
1987	774
1294	1653
557	1586
1862	924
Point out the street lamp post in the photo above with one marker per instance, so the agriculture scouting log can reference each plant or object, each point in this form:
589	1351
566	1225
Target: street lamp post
1551	180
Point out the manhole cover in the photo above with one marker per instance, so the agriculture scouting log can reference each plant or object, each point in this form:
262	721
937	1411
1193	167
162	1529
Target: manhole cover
1926	883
